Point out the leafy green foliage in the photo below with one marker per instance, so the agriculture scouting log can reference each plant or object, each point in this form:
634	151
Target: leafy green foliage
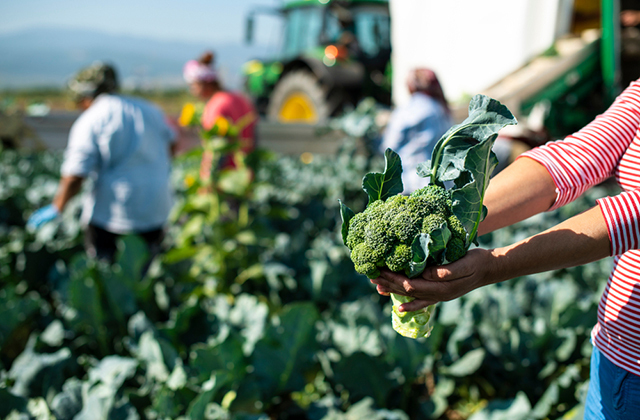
380	186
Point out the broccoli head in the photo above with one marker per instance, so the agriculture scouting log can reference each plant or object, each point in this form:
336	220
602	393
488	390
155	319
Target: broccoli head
383	234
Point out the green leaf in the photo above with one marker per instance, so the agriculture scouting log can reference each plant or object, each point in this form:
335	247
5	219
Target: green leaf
420	254
516	409
223	357
103	389
360	374
10	402
37	374
380	186
346	213
467	364
427	245
198	407
438	239
486	117
68	403
286	352
464	155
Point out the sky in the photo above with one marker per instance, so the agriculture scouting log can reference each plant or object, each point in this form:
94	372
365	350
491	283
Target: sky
216	21
209	23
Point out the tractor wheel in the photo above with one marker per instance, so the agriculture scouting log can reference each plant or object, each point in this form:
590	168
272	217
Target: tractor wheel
299	98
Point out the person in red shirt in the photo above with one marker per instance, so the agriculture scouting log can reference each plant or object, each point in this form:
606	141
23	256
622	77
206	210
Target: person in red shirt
234	107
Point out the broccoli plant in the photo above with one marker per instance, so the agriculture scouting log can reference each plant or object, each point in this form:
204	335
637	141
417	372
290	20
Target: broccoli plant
435	224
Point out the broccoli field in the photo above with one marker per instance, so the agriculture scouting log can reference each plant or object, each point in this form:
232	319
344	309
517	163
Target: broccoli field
255	311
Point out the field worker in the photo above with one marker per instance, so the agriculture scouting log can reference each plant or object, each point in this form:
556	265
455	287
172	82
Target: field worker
124	145
415	127
204	83
546	178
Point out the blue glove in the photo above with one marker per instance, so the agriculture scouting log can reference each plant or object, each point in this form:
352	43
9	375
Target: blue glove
42	216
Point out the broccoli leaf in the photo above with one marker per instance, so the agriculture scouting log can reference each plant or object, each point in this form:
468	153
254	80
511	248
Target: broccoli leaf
346	213
468	199
425	246
380	186
420	252
438	242
449	158
463	155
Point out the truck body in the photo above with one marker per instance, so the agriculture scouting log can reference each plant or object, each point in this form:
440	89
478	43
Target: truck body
554	63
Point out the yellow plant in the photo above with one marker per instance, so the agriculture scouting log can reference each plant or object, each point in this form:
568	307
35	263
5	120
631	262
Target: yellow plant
187	115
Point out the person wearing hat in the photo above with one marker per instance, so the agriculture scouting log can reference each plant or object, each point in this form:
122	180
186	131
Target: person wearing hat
124	145
204	83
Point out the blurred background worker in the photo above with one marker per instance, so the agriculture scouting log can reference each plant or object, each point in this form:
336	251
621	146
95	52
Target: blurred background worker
124	145
205	84
414	128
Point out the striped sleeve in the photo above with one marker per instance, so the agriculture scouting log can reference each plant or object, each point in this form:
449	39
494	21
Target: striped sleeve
591	155
622	215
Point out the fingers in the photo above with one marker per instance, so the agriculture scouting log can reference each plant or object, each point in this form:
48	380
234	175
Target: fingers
381	290
391	282
415	305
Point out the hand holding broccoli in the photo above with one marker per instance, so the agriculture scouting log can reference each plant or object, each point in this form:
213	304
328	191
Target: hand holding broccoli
439	283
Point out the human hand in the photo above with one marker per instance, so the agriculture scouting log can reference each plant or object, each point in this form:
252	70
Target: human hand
440	283
42	216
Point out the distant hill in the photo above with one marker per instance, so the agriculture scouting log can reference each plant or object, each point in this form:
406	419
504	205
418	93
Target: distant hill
49	56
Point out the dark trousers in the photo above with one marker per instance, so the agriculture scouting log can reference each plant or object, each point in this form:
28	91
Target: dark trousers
102	244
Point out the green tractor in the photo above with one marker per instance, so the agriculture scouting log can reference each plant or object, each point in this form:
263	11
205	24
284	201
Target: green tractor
335	52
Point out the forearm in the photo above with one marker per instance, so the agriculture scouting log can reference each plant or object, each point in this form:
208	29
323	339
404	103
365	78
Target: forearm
68	187
582	239
521	190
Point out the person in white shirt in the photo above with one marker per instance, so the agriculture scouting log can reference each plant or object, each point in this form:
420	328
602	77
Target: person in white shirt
124	145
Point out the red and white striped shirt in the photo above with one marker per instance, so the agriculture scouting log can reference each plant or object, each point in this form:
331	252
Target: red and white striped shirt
608	146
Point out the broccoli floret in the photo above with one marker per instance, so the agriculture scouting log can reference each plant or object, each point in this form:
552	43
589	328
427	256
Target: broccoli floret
376	209
456	228
394	205
357	224
455	249
432	222
365	260
377	235
405	226
431	199
399	257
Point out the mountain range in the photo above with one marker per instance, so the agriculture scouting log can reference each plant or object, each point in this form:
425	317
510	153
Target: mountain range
48	57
